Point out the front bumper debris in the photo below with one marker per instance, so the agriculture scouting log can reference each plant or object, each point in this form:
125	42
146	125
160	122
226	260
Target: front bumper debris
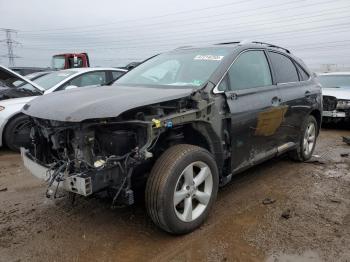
34	168
78	184
334	113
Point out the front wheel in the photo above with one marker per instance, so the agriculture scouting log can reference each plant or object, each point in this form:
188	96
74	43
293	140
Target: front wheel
181	189
307	142
17	132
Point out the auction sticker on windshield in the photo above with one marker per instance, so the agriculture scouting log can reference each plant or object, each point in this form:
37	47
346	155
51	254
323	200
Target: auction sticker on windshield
209	57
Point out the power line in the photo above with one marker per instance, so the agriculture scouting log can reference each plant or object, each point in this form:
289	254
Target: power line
189	21
236	29
141	41
10	43
313	46
153	17
219	37
209	29
305	33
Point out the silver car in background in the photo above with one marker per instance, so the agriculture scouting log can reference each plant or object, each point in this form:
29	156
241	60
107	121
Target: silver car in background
14	127
336	96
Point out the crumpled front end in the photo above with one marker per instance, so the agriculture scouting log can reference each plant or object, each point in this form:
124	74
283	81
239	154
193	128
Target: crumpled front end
85	158
115	154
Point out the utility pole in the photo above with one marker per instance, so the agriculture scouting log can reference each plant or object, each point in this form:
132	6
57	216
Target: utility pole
10	43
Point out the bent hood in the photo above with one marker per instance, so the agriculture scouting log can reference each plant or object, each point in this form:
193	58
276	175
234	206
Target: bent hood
339	93
98	102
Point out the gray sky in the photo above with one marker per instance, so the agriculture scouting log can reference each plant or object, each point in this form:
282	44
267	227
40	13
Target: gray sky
117	32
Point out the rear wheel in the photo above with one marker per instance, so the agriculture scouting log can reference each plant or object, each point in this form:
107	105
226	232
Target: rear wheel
17	132
181	188
307	142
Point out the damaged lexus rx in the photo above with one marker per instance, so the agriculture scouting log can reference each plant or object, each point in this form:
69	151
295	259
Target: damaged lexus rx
183	123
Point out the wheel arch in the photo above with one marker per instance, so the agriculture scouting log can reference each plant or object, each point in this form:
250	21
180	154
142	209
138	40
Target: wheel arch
198	133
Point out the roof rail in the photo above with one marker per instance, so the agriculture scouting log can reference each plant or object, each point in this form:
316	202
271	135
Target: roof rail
182	47
271	45
254	42
229	43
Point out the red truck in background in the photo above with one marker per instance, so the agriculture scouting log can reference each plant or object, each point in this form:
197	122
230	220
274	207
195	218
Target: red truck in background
70	60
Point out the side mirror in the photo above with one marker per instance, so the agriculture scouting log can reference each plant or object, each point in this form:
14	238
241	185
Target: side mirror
70	87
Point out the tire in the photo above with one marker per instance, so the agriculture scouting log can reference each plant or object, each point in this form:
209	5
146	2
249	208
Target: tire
169	192
304	152
17	132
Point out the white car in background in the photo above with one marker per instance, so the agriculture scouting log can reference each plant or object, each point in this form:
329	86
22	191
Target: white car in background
336	96
14	126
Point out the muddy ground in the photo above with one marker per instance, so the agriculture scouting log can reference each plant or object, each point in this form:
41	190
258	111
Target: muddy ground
278	211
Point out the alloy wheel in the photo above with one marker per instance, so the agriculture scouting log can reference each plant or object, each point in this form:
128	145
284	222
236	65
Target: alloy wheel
309	138
193	191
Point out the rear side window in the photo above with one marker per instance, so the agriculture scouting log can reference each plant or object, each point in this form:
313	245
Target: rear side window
251	69
284	68
116	74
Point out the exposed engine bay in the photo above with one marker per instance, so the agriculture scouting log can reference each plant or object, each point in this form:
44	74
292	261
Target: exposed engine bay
92	156
107	154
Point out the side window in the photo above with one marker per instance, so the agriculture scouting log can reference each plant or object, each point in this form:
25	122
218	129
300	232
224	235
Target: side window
224	85
116	74
92	78
303	75
284	68
251	69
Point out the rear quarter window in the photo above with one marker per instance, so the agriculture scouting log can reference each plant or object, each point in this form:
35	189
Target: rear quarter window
116	74
285	70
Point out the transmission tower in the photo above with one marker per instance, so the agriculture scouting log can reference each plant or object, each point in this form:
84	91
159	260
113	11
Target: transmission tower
10	43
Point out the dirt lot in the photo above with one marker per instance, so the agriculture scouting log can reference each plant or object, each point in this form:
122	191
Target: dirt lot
278	211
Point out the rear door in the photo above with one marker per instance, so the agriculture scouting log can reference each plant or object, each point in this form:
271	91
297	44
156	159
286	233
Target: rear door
293	94
254	109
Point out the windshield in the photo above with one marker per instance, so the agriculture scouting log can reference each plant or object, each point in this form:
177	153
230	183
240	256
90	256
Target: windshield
52	79
190	68
333	81
58	62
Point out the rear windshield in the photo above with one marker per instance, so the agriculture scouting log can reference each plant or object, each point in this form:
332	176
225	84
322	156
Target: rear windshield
334	81
181	68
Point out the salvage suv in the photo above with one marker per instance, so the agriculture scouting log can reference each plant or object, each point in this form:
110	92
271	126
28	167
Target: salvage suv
183	122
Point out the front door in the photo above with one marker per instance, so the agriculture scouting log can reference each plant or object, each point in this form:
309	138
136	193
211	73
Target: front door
254	107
